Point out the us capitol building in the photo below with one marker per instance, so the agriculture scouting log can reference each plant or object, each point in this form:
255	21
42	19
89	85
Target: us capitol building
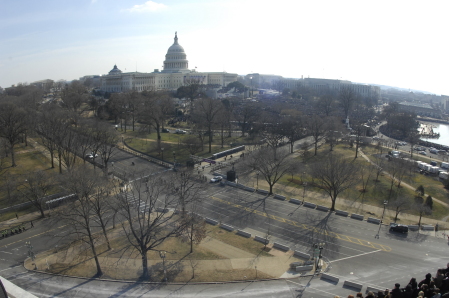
175	74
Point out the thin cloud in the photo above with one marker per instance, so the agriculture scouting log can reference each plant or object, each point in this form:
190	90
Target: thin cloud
148	6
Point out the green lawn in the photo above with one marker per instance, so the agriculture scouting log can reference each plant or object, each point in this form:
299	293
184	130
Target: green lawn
377	191
28	159
171	142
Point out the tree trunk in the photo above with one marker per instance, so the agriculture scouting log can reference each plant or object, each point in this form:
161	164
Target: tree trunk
51	158
158	131
210	141
13	156
94	252
333	204
105	234
42	212
134	121
145	273
60	161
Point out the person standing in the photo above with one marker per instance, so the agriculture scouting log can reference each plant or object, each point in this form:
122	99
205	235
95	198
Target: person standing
396	292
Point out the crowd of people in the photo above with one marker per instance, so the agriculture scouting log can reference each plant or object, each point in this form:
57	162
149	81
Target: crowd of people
430	287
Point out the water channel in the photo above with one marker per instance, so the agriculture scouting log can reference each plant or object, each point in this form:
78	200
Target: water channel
442	129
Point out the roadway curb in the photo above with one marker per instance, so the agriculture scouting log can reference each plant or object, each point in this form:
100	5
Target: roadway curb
159	283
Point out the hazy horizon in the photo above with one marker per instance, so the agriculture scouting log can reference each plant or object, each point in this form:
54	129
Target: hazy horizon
398	43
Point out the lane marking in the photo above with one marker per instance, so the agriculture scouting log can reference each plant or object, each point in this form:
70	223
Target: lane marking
33	236
366	253
7	252
350	239
10	268
309	287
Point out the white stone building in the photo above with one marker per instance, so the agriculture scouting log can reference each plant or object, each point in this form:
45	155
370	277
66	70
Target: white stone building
174	75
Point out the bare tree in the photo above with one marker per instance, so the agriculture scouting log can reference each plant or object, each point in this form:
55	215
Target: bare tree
133	105
67	142
270	167
48	126
291	128
206	111
156	107
186	189
194	229
103	140
73	97
147	223
192	144
326	103
316	127
347	97
246	114
413	139
80	214
379	164
335	174
36	187
191	90
422	209
400	205
13	125
101	206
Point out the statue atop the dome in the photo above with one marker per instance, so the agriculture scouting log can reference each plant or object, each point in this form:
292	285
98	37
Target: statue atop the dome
176	37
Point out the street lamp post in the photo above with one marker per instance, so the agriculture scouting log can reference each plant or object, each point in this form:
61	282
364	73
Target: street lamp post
257	175
174	161
304	184
382	218
162	255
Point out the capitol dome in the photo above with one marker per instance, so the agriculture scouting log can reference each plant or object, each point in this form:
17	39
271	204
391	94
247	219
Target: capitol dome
176	58
115	70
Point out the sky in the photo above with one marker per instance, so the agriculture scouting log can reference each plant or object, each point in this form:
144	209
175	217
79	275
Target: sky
396	43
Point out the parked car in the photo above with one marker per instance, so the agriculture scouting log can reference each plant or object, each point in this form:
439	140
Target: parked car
180	131
422	152
91	155
216	179
394	227
165	130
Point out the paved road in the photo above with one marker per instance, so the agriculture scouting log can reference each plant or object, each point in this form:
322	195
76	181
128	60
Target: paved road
350	248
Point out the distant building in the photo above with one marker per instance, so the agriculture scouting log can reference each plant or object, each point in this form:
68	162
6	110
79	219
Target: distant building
43	84
325	85
445	102
174	75
421	109
264	81
93	81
